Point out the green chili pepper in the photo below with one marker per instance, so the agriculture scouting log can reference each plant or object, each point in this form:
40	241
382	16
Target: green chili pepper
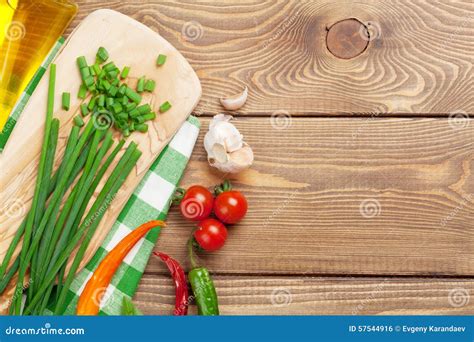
204	292
203	287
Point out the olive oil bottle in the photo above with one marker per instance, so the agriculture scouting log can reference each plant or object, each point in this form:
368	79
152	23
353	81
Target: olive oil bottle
28	30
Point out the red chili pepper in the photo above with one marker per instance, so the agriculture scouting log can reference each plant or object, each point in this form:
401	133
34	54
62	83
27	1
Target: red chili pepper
180	283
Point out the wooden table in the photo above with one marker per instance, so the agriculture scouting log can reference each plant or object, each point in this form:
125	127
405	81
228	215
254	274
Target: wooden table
362	193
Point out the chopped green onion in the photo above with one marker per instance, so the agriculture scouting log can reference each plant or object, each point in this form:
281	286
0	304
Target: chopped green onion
109	101
66	100
112	74
149	116
121	124
109	67
141	84
101	100
122	90
82	92
102	54
112	91
106	84
91	104
139	119
132	95
84	110
96	68
150	85
85	72
81	62
130	106
122	116
161	60
103	81
134	113
141	127
125	72
88	81
165	107
78	121
143	109
117	107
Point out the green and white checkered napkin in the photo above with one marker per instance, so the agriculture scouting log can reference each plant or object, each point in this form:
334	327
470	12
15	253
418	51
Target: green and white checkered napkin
150	201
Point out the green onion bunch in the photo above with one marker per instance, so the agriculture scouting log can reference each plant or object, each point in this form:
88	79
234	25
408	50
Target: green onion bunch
65	213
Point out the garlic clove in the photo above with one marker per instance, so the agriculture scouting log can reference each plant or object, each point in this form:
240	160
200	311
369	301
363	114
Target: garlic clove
209	140
219	153
242	157
233	142
236	101
238	161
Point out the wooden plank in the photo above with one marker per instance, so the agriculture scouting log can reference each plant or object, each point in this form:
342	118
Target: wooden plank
418	61
345	196
320	296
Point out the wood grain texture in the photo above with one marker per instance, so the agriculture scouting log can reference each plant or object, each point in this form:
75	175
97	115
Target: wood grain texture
419	60
310	181
320	296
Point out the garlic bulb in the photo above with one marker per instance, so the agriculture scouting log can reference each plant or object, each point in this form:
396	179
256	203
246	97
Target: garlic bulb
226	150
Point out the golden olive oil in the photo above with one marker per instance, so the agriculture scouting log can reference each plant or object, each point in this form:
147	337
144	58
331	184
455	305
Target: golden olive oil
28	30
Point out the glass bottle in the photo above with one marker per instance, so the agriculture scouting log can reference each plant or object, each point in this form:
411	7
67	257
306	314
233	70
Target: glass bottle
28	30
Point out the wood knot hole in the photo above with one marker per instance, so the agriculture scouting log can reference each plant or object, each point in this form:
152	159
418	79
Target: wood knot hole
347	38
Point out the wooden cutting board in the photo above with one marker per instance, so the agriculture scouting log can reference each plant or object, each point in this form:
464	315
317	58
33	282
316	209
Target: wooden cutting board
129	43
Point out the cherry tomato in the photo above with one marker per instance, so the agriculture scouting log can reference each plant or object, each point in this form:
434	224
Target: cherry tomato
230	206
197	203
210	234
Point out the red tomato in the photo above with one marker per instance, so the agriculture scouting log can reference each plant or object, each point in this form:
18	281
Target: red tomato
210	235
230	206
197	203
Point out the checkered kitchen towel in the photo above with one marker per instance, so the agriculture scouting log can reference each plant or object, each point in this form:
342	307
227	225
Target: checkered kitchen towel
150	201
